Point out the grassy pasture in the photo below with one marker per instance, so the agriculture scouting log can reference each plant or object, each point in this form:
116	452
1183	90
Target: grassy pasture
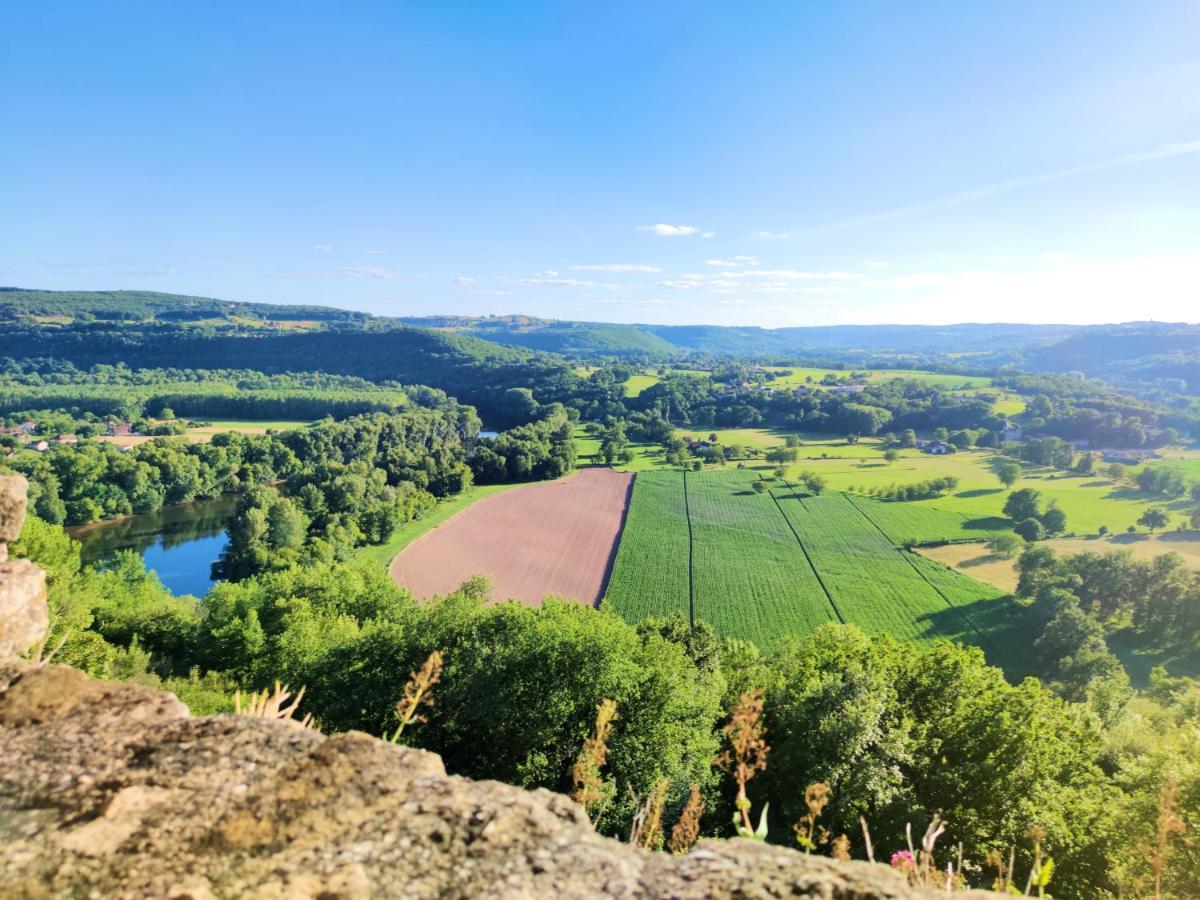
204	433
1089	501
638	383
800	375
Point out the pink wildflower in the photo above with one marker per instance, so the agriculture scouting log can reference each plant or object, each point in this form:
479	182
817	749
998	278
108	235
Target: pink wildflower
903	860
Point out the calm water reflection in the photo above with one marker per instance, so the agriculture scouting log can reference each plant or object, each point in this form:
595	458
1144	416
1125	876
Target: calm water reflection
180	543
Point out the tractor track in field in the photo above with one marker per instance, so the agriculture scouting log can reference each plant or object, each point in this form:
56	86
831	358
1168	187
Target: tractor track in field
828	596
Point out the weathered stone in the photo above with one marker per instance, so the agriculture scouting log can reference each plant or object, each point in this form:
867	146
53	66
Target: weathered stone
13	491
24	618
112	790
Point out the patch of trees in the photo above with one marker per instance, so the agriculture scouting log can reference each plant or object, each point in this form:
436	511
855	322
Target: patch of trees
1077	409
921	490
80	483
897	404
541	449
1048	451
1162	479
120	393
1161	597
1032	522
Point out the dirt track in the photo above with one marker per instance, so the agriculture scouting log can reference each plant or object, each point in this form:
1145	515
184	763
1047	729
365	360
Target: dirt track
553	538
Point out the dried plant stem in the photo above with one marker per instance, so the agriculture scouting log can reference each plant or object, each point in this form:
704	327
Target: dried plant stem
416	693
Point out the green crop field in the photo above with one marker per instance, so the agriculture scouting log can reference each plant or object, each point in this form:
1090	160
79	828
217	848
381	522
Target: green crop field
765	565
650	576
925	524
750	576
871	582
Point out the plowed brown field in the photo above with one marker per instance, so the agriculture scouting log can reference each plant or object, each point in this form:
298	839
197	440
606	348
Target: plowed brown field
558	537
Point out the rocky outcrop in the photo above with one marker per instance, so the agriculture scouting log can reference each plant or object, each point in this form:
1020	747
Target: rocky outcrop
23	615
113	790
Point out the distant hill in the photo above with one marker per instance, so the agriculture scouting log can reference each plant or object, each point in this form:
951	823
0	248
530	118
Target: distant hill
1138	351
575	339
663	342
145	330
170	329
903	338
148	306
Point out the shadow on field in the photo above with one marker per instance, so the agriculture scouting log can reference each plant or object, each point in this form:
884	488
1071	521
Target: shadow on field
1129	538
997	625
1179	536
979	560
988	523
1139	656
980	492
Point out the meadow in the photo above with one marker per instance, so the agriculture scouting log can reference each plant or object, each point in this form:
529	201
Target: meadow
804	375
763	565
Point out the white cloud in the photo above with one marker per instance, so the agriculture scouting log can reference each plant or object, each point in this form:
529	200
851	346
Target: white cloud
556	282
322	248
549	273
877	264
483	293
709	234
616	267
732	262
793	275
769	235
663	230
463	279
367	272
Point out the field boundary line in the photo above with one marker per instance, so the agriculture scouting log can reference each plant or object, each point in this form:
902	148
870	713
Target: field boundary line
687	511
908	559
821	581
611	564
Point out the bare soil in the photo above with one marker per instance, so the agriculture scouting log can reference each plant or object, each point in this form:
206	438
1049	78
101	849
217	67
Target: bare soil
556	537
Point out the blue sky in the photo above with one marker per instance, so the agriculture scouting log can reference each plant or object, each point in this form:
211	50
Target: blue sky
771	164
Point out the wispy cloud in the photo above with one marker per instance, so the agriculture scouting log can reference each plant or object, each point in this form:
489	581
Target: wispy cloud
732	262
663	230
368	272
463	279
769	235
380	272
616	267
556	282
322	248
987	191
486	293
764	281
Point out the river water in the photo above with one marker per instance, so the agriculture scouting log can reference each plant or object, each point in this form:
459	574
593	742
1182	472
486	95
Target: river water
180	543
